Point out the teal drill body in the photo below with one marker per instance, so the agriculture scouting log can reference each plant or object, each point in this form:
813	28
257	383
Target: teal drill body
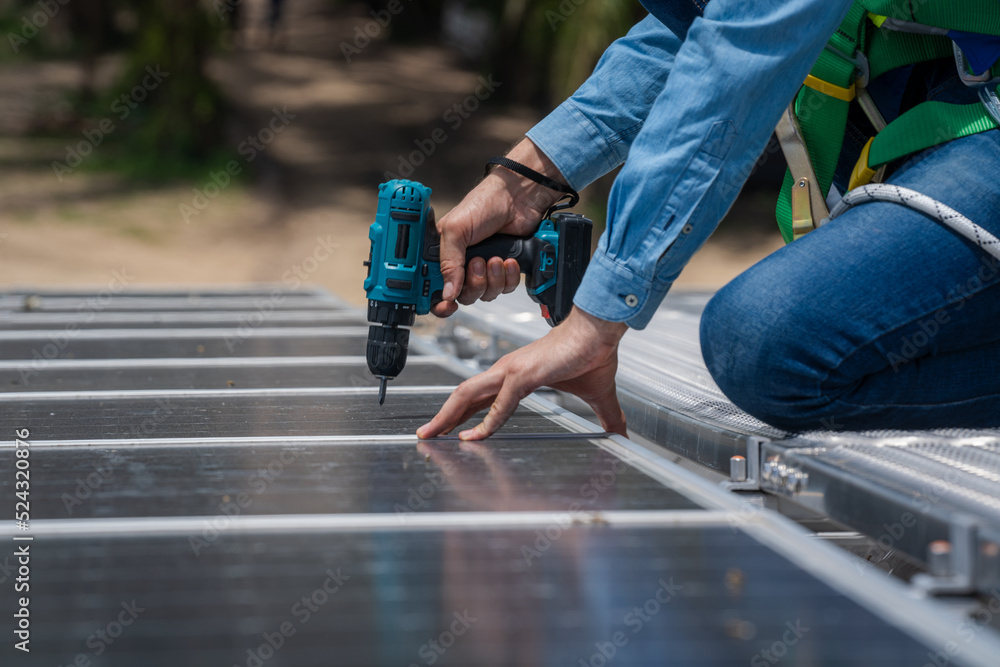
404	269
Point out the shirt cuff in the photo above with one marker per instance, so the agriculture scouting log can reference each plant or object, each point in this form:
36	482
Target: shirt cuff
613	292
575	145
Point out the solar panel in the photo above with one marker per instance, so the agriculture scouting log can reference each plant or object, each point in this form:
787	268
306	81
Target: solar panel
257	507
459	596
232	373
38	347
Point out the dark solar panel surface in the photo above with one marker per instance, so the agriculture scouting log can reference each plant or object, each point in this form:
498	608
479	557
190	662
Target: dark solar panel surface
199	345
295	443
677	596
14	321
238	415
313	373
338	477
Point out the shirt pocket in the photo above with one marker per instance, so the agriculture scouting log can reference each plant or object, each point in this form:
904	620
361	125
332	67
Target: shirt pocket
700	173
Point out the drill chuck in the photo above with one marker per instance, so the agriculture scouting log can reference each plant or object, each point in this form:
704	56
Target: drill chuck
387	348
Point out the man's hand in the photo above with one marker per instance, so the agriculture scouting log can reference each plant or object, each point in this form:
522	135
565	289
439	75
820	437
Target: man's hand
579	356
502	202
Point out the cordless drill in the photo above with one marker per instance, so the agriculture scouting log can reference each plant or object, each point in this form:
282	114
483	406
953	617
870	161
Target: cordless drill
404	270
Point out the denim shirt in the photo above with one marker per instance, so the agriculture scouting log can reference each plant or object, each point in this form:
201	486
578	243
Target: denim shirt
689	119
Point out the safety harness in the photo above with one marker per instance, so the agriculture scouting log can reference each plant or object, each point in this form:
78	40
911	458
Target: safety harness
878	36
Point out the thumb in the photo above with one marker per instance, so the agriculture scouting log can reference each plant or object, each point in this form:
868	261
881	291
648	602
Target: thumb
609	411
453	245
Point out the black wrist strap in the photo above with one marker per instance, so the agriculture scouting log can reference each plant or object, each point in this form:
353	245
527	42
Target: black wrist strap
541	179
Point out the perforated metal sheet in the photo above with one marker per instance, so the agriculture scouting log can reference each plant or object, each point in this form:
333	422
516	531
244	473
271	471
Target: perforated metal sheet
908	491
958	468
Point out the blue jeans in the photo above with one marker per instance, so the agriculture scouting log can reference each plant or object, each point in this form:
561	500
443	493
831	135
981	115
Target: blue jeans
882	318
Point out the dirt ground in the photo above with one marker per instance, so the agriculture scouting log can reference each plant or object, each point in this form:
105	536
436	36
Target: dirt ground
316	182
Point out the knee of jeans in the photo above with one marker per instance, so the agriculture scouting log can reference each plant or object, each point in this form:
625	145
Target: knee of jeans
726	349
754	359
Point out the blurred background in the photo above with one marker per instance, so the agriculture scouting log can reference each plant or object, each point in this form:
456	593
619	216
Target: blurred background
232	141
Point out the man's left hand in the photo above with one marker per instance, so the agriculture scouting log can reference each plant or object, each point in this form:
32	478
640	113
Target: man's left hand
579	356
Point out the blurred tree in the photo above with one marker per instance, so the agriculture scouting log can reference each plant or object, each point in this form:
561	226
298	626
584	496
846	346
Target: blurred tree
171	113
541	50
548	48
423	19
90	24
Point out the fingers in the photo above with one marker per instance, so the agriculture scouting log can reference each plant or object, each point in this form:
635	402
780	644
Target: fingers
486	280
512	275
501	277
468	398
455	238
495	279
609	411
475	282
579	356
454	277
503	407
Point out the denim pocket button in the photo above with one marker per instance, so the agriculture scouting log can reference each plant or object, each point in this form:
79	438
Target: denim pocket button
631	301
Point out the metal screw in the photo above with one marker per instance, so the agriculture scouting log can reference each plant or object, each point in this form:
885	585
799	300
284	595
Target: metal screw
782	471
939	558
798	481
738	469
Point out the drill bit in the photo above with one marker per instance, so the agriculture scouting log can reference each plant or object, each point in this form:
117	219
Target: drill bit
381	389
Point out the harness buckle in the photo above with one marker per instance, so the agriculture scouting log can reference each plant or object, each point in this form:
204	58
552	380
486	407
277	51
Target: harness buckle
864	69
971	80
985	83
809	208
988	95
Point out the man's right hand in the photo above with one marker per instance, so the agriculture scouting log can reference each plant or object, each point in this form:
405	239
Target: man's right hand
503	202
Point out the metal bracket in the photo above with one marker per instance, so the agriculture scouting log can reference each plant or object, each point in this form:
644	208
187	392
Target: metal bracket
745	474
951	563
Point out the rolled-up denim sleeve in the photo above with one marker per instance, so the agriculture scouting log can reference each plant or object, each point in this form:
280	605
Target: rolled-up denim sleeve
589	134
739	67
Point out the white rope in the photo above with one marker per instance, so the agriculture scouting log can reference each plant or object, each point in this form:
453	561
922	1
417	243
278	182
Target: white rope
923	204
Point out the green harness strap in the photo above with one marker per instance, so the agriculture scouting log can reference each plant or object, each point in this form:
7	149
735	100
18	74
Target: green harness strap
926	125
822	110
889	49
930	123
979	16
822	117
